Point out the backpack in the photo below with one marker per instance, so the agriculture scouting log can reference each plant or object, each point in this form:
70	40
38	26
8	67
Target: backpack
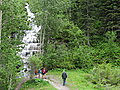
36	71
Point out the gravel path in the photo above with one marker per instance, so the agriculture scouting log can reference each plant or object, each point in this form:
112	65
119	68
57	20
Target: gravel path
56	84
20	83
50	79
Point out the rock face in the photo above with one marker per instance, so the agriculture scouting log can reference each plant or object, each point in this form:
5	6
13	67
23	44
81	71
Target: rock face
31	43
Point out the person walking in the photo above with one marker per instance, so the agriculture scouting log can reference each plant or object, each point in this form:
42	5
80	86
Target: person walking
39	73
36	72
43	72
64	76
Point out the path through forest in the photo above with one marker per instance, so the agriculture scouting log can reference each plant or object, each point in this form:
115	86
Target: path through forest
50	78
55	83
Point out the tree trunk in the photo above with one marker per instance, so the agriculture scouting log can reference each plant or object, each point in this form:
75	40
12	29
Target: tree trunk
0	20
40	41
88	30
10	82
88	37
43	40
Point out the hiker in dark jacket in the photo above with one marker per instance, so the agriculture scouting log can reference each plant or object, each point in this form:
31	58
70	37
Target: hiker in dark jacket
64	76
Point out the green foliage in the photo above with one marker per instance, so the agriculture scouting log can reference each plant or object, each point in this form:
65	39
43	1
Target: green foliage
108	51
73	34
35	62
104	74
76	79
57	57
73	37
14	21
108	13
83	14
37	84
83	56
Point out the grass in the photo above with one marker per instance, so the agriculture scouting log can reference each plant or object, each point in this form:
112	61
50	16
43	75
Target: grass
76	80
37	84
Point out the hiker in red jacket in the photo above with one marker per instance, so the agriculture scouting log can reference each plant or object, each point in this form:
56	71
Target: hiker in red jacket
43	72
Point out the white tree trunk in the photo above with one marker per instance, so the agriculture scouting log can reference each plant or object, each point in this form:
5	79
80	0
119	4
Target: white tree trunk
43	40
40	41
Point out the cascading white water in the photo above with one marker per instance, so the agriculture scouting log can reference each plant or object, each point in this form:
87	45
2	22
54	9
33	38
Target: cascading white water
31	43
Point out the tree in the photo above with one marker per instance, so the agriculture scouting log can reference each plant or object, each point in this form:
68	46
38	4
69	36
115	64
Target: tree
74	24
109	15
13	23
0	21
83	14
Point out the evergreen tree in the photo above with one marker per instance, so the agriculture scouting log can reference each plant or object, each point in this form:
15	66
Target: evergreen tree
83	14
0	20
109	14
13	23
75	27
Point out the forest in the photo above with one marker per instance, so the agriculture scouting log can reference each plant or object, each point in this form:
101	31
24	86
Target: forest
75	34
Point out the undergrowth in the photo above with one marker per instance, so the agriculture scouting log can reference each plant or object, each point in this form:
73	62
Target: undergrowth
37	84
104	75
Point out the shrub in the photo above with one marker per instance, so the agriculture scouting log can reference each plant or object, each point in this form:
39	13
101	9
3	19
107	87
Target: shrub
35	82
104	74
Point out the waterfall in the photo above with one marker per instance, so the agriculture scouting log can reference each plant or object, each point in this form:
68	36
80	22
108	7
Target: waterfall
31	43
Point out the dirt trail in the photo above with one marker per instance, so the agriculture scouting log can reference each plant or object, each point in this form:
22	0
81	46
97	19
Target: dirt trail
20	83
55	83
